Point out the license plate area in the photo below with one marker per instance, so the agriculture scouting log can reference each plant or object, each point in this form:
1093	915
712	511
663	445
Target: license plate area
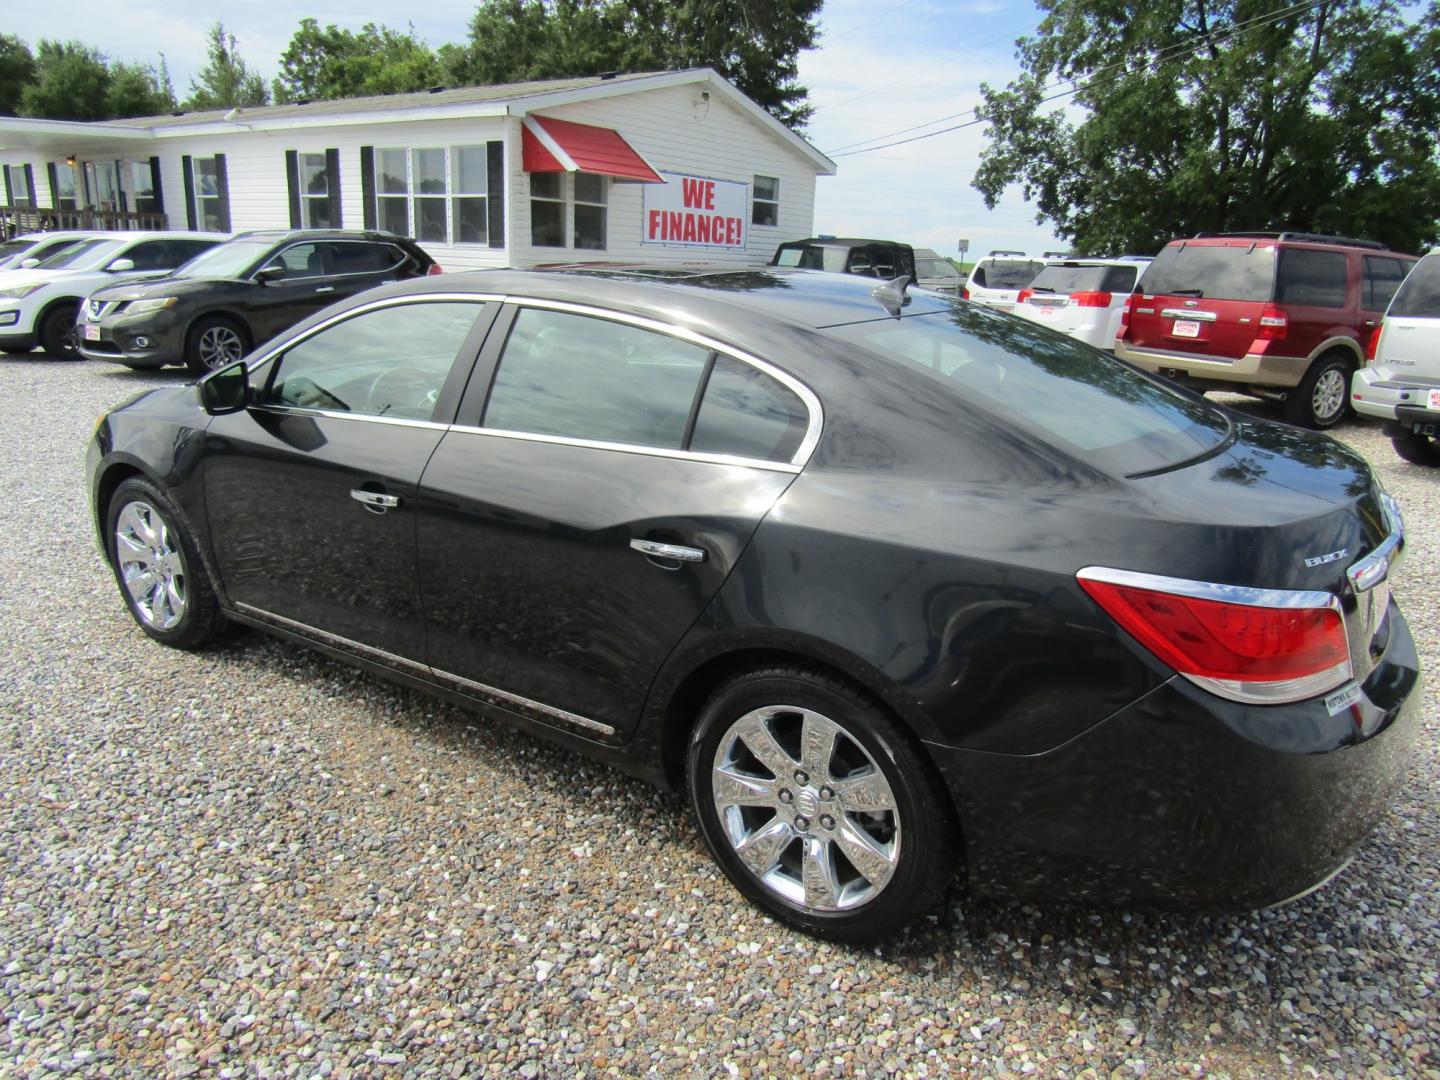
1186	328
1433	401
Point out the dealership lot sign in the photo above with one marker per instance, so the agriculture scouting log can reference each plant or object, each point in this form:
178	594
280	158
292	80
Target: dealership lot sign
692	211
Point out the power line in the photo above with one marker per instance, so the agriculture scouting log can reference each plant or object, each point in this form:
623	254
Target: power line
1179	49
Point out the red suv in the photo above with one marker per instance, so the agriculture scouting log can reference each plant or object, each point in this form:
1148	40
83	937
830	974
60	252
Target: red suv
1284	316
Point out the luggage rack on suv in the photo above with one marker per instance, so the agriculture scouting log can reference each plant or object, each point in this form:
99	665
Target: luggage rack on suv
1302	237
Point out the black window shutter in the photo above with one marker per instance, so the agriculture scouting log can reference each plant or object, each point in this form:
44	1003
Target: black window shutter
53	177
155	184
332	170
367	185
188	168
9	192
222	184
120	183
495	185
30	184
292	179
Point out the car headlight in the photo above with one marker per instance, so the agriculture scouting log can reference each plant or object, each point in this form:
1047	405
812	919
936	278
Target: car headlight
21	291
144	307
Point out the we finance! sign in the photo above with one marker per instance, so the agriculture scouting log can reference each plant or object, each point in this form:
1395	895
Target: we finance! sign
691	211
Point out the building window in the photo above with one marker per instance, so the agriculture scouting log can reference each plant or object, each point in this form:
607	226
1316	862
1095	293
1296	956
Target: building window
20	194
209	198
590	193
392	192
64	193
314	192
142	188
547	209
427	188
765	205
469	185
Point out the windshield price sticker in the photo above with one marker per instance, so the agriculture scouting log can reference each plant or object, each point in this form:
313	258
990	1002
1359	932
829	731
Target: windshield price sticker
1434	401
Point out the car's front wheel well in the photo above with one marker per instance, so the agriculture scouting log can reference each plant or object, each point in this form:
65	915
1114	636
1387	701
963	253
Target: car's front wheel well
110	479
71	302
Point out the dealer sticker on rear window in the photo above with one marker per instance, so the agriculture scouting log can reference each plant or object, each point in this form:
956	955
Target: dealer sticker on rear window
1343	698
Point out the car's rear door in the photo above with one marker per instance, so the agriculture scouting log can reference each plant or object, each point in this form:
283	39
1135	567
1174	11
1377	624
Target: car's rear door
356	265
1204	298
310	492
581	515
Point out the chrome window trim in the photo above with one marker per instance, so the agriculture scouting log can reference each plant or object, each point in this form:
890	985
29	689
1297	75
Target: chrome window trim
323	240
632	448
816	418
1367	572
344	643
1277	692
332	414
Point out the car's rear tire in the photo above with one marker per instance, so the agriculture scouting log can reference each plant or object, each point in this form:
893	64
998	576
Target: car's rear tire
1323	396
158	568
57	332
838	825
1417	449
214	342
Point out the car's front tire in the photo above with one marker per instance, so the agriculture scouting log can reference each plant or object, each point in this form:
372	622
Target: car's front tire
158	568
816	805
1417	449
57	332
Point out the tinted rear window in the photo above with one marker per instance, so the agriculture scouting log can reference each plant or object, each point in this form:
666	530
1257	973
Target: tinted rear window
1419	295
1005	275
1056	390
1064	280
1220	272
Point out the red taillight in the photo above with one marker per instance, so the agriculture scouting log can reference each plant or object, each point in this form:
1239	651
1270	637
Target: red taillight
1274	324
1025	294
964	294
435	268
1245	651
1090	299
1124	334
1373	345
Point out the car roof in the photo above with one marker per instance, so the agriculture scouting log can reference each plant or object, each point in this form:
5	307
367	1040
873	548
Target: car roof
705	298
284	235
1127	261
843	241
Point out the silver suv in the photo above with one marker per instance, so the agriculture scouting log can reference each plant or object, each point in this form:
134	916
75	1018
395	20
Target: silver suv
1400	382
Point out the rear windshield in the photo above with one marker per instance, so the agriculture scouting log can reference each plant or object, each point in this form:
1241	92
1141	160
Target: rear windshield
930	268
1419	295
1072	279
1005	275
1058	391
1220	272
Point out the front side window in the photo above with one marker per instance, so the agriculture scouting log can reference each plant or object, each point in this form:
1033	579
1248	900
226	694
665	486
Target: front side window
580	377
314	192
765	203
299	261
547	209
153	255
390	362
209	212
1311	278
590	196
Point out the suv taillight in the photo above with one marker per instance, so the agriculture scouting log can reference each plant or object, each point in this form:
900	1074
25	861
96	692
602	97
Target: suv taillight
1025	295
1274	324
1124	334
1255	645
1373	345
435	268
1090	299
964	294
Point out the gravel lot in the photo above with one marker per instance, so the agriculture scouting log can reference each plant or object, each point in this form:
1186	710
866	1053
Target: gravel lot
259	862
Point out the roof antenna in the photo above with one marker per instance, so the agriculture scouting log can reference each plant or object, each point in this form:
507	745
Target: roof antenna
892	294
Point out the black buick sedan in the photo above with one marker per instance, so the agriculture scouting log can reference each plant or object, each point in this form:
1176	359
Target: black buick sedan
893	587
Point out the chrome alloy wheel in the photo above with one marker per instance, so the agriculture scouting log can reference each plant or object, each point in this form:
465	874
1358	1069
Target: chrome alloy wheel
150	563
219	346
806	808
1329	396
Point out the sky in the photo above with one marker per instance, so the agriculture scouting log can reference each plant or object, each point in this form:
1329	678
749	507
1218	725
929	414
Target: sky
881	65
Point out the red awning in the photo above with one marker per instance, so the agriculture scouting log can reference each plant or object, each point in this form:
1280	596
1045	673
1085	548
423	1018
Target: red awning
564	146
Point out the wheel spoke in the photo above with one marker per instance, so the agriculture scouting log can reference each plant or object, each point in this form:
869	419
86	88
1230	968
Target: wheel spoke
174	598
140	585
866	792
874	862
731	788
761	849
822	887
761	741
817	745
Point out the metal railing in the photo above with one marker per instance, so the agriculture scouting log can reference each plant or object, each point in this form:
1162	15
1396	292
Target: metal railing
16	220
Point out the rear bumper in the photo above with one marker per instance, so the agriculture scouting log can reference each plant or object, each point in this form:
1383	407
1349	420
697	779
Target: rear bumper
1184	799
1373	395
1252	369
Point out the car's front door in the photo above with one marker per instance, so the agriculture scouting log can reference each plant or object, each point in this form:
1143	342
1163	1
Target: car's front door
303	286
311	491
571	532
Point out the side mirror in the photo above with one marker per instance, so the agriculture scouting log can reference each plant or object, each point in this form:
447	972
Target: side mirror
226	390
26	264
120	265
266	274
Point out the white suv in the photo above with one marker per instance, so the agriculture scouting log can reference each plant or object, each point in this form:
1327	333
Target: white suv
31	249
39	305
996	280
1082	297
1400	382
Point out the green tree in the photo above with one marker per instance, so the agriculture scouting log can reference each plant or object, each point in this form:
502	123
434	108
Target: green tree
140	90
753	44
72	82
1213	115
17	71
334	63
226	82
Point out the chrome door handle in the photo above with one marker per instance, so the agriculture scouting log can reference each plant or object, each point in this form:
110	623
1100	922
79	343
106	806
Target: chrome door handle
325	288
679	552
373	500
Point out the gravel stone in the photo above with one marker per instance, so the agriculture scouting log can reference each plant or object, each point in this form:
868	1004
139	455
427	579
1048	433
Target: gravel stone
259	862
